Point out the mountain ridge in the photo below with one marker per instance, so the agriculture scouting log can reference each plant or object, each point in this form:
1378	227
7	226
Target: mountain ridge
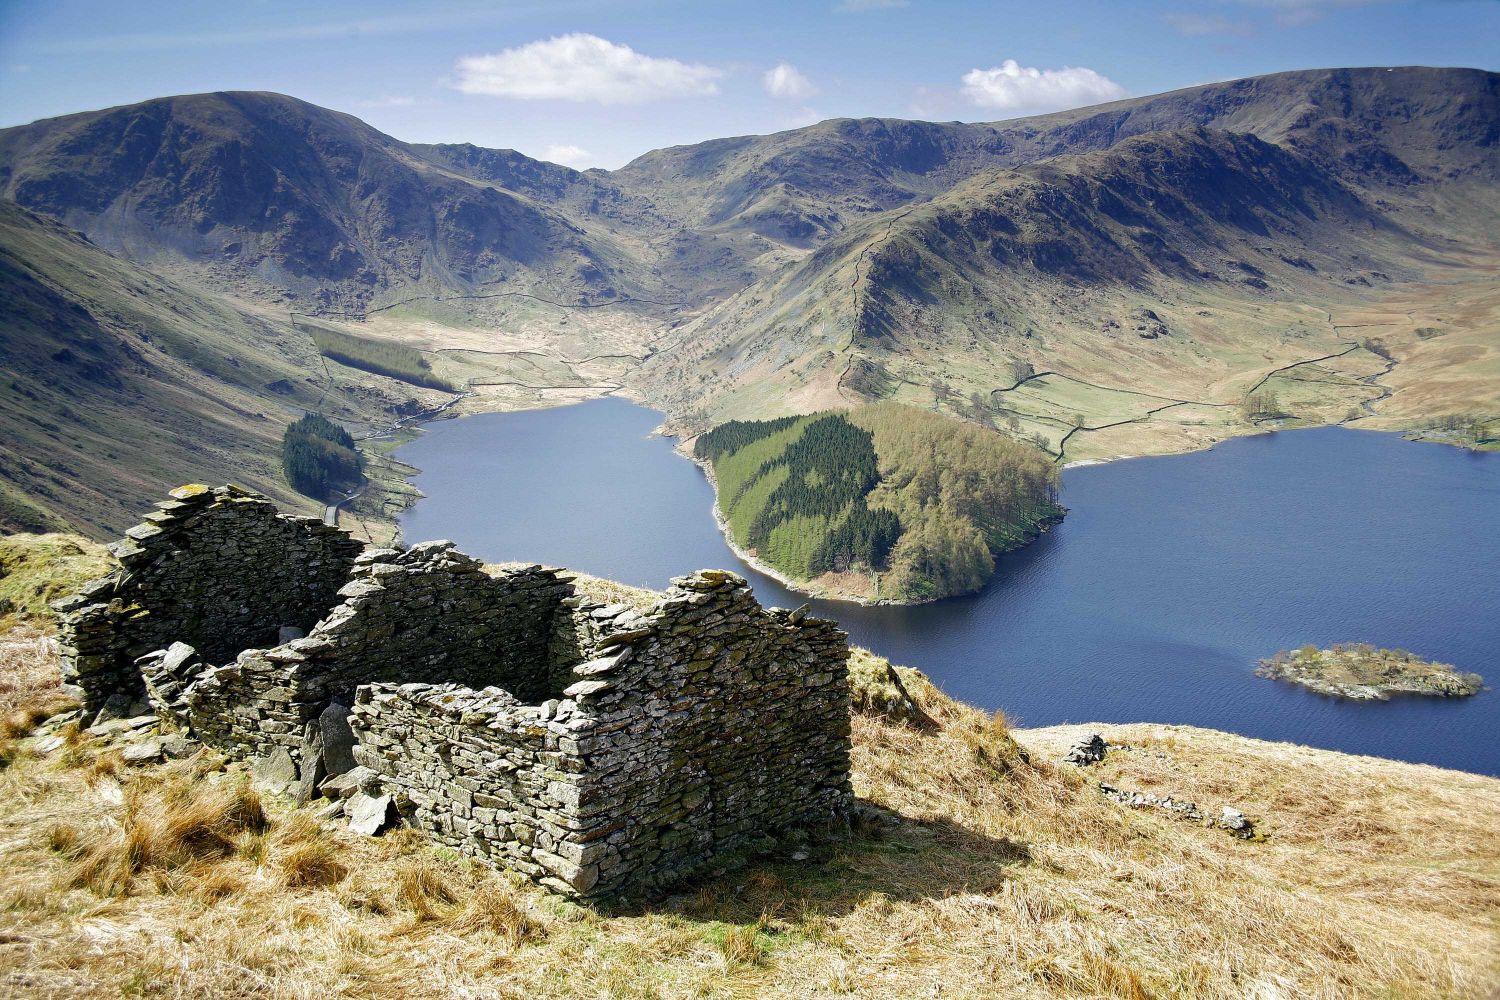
1184	247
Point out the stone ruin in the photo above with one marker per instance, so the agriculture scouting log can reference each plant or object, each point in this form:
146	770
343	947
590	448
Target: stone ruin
597	749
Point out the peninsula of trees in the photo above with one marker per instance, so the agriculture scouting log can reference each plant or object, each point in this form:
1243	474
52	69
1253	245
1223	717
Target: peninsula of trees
886	502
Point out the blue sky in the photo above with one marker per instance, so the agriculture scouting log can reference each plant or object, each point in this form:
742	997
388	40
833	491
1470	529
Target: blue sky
594	83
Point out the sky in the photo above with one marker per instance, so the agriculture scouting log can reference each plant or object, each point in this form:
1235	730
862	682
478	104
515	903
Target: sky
594	83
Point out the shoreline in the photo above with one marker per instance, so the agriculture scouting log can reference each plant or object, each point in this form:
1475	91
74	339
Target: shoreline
801	588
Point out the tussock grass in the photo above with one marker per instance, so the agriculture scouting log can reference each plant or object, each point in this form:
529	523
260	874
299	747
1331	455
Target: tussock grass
38	569
176	826
1001	875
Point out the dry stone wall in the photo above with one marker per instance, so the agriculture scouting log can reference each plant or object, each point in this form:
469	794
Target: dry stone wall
692	731
219	569
596	748
429	614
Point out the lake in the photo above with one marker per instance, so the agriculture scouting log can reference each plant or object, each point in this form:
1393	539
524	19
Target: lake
1151	602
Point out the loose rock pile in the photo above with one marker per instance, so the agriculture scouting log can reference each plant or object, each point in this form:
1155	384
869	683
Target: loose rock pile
1092	749
597	749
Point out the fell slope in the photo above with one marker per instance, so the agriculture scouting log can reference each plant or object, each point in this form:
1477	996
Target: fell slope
985	871
116	381
1172	271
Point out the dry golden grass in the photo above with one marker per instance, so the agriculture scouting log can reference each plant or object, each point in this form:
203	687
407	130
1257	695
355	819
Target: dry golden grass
597	588
1003	877
30	691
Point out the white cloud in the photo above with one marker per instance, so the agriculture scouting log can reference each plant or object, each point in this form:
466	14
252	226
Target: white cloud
582	67
859	6
786	83
569	156
1013	87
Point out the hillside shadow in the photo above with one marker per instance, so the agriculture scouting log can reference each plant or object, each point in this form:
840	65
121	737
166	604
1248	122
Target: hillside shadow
907	860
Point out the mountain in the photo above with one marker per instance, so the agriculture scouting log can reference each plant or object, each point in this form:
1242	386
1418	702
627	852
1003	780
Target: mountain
267	194
262	191
1285	199
1378	127
1219	213
1149	275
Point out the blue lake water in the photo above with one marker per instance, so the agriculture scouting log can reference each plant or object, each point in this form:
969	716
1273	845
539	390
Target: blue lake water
1151	602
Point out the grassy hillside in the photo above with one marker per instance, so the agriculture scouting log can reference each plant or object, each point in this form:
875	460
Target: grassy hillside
885	501
116	383
1114	302
982	869
38	569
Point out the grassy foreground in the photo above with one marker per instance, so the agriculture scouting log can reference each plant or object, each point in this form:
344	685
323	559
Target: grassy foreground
997	873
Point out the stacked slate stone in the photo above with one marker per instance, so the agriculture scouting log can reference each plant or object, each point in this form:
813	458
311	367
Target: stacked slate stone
691	731
595	748
429	614
220	569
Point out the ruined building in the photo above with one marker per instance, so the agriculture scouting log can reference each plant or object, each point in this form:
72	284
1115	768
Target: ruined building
597	749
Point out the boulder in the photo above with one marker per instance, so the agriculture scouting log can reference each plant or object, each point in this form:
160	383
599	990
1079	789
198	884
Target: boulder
370	814
343	786
1089	750
274	772
312	771
148	751
1236	823
338	739
117	706
178	747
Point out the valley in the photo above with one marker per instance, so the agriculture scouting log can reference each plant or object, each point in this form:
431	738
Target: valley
1146	277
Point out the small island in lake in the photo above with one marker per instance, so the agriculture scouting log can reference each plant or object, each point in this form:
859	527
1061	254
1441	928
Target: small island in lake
1364	673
